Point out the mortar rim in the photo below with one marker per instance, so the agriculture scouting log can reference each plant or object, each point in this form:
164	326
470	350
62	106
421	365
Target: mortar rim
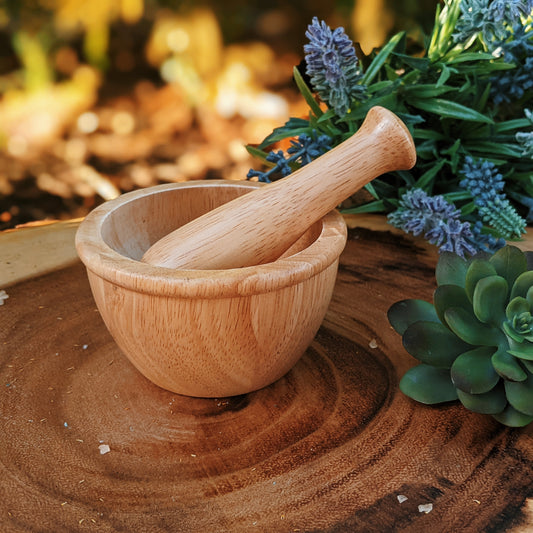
105	262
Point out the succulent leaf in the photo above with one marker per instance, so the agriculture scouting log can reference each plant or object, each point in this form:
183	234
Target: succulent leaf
429	385
478	269
472	371
513	418
451	269
433	343
490	297
522	350
520	394
446	296
507	366
528	365
468	328
522	285
509	263
406	312
517	306
519	324
476	341
488	403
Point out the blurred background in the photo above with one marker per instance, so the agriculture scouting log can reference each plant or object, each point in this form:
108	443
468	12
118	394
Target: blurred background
101	97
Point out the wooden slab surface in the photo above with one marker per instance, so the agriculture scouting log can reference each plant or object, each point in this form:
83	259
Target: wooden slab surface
331	447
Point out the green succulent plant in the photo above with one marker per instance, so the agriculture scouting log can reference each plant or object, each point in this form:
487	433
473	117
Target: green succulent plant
475	342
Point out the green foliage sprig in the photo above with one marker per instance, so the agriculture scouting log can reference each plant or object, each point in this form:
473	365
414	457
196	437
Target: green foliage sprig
464	99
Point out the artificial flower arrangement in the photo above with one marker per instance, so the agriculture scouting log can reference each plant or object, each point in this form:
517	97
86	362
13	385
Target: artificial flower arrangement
467	99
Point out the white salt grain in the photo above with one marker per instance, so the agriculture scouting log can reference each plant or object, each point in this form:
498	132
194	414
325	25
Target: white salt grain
3	296
401	498
425	508
104	448
373	343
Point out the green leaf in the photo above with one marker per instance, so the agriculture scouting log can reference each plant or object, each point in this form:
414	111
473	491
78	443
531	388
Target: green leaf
426	90
256	152
370	188
444	75
376	206
490	298
429	175
509	263
528	365
523	284
374	67
433	343
292	128
512	335
329	114
478	269
468	328
419	133
472	371
449	109
406	312
517	306
446	296
415	64
520	395
507	366
451	269
468	208
456	196
471	56
513	418
429	385
306	93
513	125
529	296
488	147
523	350
488	403
485	68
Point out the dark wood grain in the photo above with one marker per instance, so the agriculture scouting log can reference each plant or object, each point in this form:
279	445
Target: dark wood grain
329	447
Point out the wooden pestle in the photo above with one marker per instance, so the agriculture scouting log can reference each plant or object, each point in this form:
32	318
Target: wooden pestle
259	226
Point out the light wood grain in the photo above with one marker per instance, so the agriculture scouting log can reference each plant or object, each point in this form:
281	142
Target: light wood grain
259	227
327	448
205	332
34	250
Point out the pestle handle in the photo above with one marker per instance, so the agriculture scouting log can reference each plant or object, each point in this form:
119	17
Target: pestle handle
259	226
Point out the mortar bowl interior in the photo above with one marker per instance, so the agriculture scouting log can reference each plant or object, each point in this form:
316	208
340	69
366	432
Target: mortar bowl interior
205	333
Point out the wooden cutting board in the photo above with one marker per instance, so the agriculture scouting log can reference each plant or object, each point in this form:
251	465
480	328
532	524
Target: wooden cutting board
88	444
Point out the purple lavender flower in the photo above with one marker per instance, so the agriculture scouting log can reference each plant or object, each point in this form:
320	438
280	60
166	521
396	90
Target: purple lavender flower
333	67
281	166
307	147
436	219
301	152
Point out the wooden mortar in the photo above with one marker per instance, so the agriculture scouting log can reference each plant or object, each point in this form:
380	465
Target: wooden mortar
210	333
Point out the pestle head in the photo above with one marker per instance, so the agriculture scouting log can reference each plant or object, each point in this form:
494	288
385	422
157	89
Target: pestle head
258	227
